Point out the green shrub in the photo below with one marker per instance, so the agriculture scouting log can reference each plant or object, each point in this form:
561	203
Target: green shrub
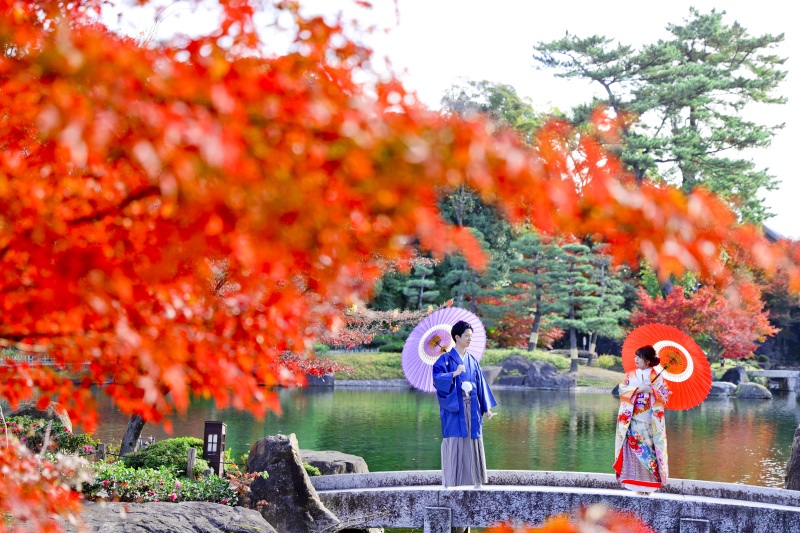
170	453
31	431
608	361
762	358
396	347
311	470
321	349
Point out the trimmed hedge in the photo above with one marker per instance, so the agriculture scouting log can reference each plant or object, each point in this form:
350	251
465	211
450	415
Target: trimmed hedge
170	453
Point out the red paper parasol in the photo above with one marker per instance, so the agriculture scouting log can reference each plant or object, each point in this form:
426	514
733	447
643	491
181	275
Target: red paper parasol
685	368
431	338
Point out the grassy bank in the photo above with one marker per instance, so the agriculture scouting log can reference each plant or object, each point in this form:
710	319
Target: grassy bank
387	366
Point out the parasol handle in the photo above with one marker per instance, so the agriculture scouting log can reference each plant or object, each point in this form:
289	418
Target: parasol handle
663	367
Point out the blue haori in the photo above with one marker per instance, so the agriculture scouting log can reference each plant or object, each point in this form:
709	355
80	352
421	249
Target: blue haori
461	413
448	392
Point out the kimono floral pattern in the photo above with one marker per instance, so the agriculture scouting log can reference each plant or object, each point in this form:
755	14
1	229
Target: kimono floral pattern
655	458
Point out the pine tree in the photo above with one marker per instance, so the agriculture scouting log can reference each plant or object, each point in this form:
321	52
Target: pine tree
498	101
689	92
464	281
574	288
604	315
525	289
420	288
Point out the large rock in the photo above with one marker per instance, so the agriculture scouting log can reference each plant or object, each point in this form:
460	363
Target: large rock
325	380
54	411
793	467
516	364
293	505
736	375
721	388
544	375
330	463
491	373
512	381
161	517
753	390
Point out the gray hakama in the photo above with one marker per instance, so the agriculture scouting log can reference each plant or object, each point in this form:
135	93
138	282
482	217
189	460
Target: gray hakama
463	459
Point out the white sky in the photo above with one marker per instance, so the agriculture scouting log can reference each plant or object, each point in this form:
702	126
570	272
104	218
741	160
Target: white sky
439	42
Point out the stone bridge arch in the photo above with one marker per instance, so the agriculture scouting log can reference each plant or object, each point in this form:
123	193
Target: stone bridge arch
417	499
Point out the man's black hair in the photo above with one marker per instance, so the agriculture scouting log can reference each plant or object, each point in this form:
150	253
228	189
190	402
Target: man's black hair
460	328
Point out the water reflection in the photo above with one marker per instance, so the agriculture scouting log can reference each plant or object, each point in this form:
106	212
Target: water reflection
745	441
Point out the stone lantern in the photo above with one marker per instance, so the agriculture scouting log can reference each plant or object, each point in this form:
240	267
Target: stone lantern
214	445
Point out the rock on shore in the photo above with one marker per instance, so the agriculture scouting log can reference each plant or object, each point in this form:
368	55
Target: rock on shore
793	467
162	517
330	462
721	388
735	375
753	390
292	504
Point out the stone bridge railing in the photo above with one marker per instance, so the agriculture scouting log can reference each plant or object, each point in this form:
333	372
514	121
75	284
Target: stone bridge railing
416	499
787	379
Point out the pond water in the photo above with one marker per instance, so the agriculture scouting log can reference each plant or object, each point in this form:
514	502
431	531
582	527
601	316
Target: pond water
737	441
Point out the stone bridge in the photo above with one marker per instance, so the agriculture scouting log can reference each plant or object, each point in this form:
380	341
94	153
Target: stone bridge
521	497
787	379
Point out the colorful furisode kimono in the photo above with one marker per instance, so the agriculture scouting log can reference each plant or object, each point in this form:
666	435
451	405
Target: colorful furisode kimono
461	409
640	456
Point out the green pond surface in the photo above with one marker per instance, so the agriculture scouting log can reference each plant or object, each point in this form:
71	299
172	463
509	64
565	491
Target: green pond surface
723	439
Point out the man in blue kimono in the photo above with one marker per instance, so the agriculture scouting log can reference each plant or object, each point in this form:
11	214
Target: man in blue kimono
463	397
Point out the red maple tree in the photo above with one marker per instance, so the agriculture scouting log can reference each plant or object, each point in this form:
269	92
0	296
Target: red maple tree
722	329
512	330
129	173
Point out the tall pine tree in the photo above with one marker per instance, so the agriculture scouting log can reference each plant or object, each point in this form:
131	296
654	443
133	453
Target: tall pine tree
689	92
603	316
464	281
420	289
525	290
574	288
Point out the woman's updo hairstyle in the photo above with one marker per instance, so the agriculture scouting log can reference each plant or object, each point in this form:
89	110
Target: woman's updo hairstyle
648	353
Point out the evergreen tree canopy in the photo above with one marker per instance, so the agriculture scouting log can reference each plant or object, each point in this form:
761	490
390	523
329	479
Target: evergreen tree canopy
499	102
688	92
603	316
525	291
574	288
463	281
420	289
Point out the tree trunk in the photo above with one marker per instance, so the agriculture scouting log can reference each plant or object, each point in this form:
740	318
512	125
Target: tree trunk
573	343
132	434
533	340
666	288
473	284
593	343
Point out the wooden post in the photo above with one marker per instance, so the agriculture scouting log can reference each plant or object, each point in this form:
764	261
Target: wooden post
191	462
101	453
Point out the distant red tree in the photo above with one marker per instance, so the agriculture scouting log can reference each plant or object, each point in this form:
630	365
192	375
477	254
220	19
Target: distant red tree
511	330
362	324
720	327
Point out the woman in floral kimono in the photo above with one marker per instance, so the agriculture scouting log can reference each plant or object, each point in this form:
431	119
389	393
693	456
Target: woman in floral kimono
641	442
